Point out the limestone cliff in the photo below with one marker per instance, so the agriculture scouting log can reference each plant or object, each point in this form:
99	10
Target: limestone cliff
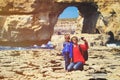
109	19
34	20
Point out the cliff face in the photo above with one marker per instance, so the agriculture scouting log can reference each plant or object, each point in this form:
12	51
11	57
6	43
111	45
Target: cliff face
27	21
109	19
34	20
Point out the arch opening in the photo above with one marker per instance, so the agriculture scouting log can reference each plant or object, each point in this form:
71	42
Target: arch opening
69	12
67	21
88	17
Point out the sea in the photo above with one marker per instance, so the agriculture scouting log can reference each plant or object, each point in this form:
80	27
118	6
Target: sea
43	46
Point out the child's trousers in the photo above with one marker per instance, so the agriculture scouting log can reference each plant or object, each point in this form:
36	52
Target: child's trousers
67	60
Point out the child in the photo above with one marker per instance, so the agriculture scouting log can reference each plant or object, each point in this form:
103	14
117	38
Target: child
77	57
65	51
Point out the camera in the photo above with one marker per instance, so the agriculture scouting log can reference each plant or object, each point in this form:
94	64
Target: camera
82	38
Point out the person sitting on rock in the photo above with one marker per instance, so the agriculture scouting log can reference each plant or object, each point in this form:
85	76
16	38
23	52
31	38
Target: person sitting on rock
77	59
65	50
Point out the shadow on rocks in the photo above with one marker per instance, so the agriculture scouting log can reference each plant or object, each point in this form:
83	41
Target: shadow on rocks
97	79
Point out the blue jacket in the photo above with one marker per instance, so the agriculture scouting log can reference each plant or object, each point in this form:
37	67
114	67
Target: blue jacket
67	48
71	50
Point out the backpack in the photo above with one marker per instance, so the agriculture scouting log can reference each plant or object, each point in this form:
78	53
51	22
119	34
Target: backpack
84	53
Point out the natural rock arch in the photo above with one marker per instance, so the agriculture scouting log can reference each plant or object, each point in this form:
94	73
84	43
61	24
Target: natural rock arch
88	10
35	19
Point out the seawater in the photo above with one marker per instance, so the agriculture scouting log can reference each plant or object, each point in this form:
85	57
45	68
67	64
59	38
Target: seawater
13	48
113	45
49	45
24	48
46	46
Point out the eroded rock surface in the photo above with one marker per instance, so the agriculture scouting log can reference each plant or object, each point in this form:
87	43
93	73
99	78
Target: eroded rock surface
32	21
49	65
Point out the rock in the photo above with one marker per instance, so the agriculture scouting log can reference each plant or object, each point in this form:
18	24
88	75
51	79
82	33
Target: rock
29	22
19	71
15	54
6	74
46	70
47	64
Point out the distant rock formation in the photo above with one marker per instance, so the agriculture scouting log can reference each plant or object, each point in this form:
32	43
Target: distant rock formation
32	21
64	26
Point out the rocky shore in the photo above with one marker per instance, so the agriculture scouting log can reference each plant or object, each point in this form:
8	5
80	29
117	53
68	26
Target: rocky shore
48	64
31	22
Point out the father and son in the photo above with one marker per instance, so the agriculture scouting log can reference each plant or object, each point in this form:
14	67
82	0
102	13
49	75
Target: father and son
74	54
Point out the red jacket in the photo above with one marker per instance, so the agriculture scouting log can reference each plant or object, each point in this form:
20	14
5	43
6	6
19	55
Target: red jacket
77	54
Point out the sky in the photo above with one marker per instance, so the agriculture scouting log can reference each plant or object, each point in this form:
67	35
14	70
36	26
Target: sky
69	12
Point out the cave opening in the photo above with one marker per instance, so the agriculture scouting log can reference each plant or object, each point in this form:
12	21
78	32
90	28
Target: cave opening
67	21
